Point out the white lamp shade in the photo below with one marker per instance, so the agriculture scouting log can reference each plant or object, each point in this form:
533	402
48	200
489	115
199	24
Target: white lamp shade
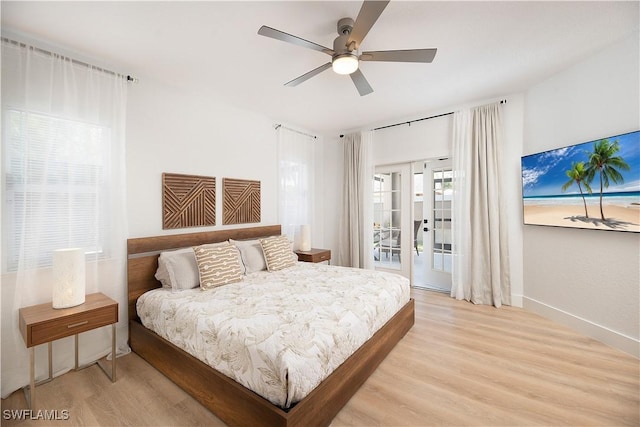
68	277
305	237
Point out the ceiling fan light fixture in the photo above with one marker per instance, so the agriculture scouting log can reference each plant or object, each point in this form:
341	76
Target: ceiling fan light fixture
345	63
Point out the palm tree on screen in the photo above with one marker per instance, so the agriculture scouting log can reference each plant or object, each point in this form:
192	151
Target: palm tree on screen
578	175
603	159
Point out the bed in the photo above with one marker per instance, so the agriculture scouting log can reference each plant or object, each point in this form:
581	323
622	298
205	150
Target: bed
228	399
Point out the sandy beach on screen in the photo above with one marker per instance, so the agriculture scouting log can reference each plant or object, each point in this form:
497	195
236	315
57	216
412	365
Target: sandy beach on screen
620	218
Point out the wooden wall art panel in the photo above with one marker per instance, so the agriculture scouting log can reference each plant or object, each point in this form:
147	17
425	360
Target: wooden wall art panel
188	201
240	201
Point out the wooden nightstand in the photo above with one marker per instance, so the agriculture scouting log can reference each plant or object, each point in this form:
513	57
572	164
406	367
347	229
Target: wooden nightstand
314	255
42	323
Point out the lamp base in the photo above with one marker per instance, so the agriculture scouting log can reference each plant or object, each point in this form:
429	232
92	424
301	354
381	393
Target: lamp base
305	237
59	306
68	277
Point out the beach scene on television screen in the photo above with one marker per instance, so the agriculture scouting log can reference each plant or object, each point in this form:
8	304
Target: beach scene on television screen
593	185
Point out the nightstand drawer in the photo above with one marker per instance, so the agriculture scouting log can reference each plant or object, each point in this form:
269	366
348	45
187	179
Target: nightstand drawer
71	325
42	323
324	256
314	255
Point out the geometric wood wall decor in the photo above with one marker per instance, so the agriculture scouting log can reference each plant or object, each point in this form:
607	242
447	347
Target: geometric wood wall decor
240	201
188	200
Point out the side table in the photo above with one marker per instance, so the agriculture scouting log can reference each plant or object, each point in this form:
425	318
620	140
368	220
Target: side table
42	323
314	255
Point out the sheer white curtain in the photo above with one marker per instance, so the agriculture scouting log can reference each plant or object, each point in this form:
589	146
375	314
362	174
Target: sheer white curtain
63	173
296	172
356	218
481	254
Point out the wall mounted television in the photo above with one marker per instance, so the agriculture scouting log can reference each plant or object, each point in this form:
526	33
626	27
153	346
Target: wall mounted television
591	185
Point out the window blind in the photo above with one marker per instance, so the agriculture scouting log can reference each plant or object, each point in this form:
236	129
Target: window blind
58	166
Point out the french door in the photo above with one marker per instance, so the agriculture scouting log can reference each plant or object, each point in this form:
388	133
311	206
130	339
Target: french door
412	208
432	267
392	233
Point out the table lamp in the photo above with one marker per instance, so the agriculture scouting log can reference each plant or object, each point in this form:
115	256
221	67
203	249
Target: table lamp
68	277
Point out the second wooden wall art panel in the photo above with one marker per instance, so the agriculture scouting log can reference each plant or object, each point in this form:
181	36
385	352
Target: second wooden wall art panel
188	201
240	201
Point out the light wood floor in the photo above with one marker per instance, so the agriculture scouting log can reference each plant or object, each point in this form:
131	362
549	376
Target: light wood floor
460	365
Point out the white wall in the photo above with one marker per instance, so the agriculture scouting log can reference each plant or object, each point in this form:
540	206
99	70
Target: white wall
170	130
432	138
421	140
587	279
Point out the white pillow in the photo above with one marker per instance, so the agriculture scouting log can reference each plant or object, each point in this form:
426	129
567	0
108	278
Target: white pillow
251	255
176	263
178	269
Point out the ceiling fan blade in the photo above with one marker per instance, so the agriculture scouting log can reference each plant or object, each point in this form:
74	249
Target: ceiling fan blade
307	76
368	15
280	35
361	83
411	55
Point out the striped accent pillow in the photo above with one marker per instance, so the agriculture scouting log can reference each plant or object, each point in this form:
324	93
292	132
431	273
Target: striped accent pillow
217	265
278	253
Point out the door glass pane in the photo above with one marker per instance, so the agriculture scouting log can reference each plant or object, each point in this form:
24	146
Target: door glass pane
442	196
386	219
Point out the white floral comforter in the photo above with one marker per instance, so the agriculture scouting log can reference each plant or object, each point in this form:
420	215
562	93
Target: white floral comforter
279	334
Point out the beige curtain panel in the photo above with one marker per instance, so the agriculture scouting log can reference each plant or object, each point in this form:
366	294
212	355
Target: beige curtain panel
356	220
481	253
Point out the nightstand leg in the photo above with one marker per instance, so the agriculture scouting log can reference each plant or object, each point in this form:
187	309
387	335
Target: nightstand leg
30	394
112	374
113	353
76	338
32	378
50	349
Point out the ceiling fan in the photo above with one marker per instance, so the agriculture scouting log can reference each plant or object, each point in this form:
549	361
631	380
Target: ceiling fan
344	55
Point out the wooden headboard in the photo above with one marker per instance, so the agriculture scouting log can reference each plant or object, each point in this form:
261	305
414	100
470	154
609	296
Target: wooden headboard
143	253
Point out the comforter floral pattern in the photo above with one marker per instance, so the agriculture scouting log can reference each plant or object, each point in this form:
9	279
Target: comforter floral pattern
281	333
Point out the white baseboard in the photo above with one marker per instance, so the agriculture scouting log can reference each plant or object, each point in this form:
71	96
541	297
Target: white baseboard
614	339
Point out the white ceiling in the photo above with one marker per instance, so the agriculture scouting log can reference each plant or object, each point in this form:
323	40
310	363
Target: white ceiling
485	50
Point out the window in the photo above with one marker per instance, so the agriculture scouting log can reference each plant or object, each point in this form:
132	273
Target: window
441	225
387	211
294	187
296	172
56	187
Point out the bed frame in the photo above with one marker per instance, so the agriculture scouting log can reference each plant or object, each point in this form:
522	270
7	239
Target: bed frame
230	401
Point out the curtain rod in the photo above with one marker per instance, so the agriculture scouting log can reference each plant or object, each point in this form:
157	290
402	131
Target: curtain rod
73	61
413	121
278	125
504	101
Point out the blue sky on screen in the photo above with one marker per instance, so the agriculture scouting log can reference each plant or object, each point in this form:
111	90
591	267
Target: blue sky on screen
544	174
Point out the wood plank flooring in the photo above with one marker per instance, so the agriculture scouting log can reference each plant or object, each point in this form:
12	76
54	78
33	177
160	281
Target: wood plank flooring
460	365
